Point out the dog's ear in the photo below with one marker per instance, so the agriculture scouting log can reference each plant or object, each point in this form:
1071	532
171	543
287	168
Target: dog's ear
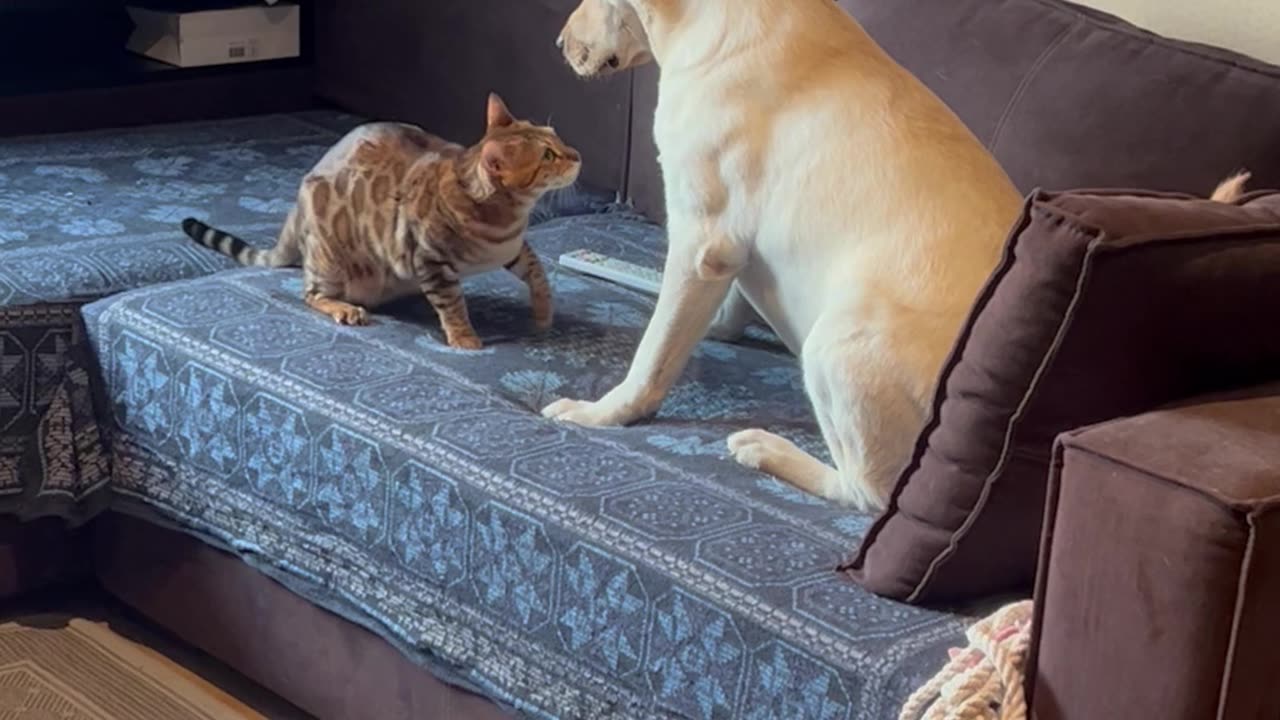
498	114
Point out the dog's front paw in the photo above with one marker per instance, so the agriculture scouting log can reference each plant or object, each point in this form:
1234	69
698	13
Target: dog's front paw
581	412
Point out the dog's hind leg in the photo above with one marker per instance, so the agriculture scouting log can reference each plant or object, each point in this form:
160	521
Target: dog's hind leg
733	317
866	405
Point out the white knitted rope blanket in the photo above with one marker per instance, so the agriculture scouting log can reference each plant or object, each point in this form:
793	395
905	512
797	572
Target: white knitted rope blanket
984	681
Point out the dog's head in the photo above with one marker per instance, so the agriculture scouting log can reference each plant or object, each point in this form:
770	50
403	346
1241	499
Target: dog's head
605	36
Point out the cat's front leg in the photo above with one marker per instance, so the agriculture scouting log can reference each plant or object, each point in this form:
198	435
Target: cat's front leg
701	264
442	286
529	269
324	295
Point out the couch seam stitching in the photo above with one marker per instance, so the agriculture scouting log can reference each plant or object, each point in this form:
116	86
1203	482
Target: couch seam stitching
1023	86
1200	49
1242	589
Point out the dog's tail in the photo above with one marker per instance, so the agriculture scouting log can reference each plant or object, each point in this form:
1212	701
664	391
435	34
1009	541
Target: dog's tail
1231	189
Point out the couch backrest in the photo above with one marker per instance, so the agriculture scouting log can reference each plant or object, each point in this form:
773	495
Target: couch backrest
433	63
1065	96
1250	26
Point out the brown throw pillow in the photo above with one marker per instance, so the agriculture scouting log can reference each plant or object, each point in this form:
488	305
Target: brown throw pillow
1106	304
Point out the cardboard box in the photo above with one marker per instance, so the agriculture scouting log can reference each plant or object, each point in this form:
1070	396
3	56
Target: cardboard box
235	34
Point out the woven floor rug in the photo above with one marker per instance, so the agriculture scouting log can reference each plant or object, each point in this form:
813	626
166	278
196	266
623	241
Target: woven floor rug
55	668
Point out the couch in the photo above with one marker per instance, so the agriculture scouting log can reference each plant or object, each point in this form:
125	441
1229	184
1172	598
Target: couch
375	526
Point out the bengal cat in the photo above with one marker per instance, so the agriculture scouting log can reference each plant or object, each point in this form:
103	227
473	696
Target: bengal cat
392	210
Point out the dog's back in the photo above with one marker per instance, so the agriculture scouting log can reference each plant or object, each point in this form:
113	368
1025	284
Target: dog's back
852	178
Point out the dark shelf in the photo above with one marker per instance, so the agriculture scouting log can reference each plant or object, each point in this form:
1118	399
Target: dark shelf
122	69
64	66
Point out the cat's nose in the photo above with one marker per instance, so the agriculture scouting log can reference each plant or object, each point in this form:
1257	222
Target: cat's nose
560	42
572	155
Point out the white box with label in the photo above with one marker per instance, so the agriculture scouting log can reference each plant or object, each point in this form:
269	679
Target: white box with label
216	36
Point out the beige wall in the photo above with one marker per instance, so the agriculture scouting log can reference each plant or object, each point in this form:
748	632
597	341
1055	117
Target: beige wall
1248	26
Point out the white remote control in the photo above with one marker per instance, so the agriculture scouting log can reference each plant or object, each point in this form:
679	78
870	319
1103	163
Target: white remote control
636	277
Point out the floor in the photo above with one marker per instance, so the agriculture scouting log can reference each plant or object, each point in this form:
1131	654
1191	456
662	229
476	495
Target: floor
77	655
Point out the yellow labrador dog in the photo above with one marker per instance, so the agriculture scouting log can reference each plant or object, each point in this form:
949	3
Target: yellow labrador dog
812	180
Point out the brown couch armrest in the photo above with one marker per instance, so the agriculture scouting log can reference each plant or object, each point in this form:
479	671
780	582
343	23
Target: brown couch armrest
1159	585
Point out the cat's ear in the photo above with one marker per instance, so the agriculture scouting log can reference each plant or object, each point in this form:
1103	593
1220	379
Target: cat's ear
499	115
493	159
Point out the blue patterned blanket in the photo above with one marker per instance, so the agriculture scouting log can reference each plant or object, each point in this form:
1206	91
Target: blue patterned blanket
572	573
84	216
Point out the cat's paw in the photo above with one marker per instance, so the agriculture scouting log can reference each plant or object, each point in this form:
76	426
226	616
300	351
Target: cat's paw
581	412
350	315
543	321
466	342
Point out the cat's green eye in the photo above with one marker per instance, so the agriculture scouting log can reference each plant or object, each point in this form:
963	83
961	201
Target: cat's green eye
549	155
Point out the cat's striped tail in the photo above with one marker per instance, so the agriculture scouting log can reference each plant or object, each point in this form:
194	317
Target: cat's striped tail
284	254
